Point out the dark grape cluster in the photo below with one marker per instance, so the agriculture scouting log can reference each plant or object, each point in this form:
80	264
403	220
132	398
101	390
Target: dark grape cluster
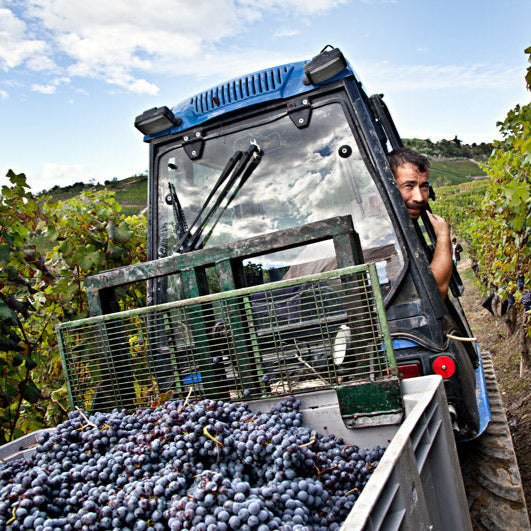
206	465
526	300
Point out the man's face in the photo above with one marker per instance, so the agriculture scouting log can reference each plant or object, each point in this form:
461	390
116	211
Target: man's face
414	187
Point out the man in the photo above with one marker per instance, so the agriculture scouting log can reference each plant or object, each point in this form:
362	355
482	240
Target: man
457	248
412	173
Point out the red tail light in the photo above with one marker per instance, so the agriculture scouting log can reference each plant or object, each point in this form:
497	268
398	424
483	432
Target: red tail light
411	370
444	365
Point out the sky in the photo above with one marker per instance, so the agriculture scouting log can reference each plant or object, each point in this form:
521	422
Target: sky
74	74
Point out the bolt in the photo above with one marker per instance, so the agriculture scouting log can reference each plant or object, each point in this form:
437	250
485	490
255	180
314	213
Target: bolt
198	134
185	138
305	102
301	120
194	152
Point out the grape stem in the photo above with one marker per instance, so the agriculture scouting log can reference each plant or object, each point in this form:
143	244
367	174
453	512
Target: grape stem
12	519
352	490
186	401
321	472
310	442
205	432
88	423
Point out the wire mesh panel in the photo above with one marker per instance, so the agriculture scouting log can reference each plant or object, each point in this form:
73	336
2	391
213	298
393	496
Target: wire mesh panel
323	330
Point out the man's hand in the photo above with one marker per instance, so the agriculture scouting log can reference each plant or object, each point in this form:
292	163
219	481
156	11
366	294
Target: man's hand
440	227
442	264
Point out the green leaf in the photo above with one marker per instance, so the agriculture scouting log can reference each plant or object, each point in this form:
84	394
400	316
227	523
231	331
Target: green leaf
517	192
111	229
17	179
66	247
5	252
7	313
52	233
11	391
124	233
114	250
92	259
29	391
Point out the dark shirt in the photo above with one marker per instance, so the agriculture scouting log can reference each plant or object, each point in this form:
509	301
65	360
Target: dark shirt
456	251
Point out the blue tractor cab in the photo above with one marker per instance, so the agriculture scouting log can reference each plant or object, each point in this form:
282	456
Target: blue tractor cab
284	148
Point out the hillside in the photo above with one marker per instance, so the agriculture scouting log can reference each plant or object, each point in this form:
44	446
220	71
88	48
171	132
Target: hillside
452	161
131	193
453	172
450	148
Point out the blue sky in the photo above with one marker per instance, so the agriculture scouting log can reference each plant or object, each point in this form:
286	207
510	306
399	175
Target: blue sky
74	74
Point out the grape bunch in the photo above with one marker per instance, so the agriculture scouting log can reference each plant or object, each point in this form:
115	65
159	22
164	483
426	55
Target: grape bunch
526	300
205	465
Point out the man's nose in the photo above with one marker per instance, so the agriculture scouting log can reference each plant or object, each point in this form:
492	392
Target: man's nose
417	195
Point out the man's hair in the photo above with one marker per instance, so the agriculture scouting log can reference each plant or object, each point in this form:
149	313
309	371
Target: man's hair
401	156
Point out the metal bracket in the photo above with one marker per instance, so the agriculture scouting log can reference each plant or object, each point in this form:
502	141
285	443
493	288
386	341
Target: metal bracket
193	145
371	403
300	112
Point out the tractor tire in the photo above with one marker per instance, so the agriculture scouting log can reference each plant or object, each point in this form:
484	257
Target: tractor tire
490	470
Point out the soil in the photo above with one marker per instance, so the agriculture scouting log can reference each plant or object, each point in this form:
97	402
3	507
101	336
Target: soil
504	344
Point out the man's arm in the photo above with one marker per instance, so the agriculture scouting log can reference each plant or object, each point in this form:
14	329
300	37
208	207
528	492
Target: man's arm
441	264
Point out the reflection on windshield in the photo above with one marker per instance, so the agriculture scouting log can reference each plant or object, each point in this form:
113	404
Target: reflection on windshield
305	175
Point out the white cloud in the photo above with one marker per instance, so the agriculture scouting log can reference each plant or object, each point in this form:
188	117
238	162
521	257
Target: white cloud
124	41
116	41
15	48
302	7
4	94
41	63
287	33
51	87
61	175
44	89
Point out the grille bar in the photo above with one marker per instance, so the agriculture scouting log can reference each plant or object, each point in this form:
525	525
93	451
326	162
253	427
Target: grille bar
319	331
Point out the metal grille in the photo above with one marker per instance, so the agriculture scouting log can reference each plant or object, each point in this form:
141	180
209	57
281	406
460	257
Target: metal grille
276	339
240	89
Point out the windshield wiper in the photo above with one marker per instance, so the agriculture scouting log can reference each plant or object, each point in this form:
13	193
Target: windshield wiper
231	171
257	157
181	227
187	232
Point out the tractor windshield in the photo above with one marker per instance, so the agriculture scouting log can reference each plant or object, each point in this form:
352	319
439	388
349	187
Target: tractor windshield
304	175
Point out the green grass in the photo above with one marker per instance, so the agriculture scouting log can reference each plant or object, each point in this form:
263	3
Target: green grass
451	172
131	193
135	192
131	210
68	192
